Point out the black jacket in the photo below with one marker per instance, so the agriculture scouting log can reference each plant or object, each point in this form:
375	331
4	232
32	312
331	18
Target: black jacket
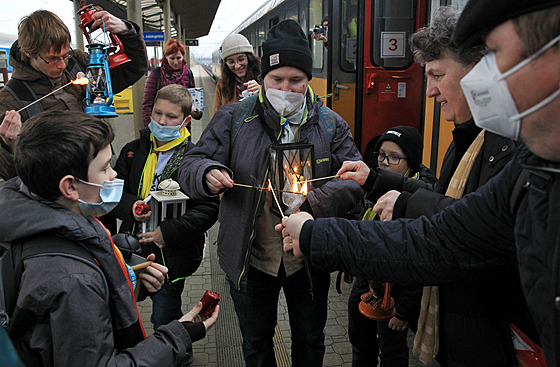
480	237
184	236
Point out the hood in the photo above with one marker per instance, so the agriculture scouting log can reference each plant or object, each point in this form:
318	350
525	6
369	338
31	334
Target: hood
22	69
30	215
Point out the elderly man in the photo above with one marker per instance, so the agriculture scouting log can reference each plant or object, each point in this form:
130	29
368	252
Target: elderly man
237	144
44	61
510	222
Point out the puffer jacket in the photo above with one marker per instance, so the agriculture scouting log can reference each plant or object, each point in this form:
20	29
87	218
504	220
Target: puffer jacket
184	236
73	312
509	224
248	160
71	97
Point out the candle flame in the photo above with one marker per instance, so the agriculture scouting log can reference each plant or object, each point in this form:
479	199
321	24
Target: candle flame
81	81
294	185
304	188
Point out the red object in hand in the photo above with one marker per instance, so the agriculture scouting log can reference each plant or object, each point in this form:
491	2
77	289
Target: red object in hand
142	209
209	301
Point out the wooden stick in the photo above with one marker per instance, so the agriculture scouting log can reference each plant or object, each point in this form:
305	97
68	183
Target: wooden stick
318	179
243	185
260	188
54	91
273	194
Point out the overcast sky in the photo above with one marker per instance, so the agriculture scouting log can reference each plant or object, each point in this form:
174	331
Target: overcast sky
229	15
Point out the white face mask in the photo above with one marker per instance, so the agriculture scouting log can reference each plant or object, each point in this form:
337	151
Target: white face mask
490	100
285	103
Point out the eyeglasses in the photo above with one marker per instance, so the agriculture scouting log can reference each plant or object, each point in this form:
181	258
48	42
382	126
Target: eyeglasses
231	62
391	158
55	59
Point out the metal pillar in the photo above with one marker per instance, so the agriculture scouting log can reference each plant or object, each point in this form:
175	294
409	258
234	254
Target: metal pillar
134	13
167	19
79	35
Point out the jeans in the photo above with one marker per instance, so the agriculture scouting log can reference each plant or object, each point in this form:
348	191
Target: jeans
166	303
369	337
257	307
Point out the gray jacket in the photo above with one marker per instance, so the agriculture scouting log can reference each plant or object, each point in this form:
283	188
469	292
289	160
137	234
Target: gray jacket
247	160
64	315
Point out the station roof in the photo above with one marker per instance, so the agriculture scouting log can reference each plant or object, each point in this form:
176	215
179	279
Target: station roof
196	15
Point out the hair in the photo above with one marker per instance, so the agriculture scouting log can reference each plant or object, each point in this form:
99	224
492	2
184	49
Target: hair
177	94
436	40
229	79
538	28
171	48
40	31
54	144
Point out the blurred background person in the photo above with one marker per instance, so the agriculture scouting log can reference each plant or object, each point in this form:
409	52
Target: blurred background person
240	71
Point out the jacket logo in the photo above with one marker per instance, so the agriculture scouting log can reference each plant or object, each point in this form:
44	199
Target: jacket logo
322	160
130	154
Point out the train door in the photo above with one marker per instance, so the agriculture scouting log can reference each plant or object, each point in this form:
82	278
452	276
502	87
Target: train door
343	35
392	83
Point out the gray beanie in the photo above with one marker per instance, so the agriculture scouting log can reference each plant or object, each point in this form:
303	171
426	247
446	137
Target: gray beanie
235	44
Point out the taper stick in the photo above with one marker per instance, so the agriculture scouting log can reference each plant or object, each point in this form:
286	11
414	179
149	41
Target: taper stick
275	198
317	179
260	188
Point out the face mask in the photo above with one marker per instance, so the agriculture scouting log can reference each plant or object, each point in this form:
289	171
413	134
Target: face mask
165	133
285	103
110	193
489	99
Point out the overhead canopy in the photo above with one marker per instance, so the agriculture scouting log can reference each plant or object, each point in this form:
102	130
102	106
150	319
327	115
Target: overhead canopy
196	15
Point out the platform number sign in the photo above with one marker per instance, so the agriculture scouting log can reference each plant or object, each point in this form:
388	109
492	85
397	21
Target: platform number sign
393	44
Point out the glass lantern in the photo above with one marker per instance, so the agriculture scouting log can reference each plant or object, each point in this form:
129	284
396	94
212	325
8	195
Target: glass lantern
99	93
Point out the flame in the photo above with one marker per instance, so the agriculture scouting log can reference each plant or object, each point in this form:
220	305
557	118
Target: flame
294	185
81	81
269	186
304	188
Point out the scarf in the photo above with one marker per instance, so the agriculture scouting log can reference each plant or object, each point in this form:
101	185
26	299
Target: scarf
151	162
426	341
172	76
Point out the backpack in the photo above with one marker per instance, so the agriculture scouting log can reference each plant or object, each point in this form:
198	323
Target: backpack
11	265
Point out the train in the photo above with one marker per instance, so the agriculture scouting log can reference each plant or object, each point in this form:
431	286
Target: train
365	72
6	41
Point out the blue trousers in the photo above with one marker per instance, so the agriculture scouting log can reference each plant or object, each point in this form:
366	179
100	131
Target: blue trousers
257	307
166	303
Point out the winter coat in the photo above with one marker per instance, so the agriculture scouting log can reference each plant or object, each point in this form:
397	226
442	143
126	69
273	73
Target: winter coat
66	307
247	160
461	318
184	236
71	97
220	99
510	224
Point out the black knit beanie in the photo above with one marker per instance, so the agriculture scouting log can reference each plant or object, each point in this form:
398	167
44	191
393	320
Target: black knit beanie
410	141
286	45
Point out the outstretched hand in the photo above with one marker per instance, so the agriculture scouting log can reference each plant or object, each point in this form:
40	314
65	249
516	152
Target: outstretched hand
354	170
291	229
194	316
218	180
153	276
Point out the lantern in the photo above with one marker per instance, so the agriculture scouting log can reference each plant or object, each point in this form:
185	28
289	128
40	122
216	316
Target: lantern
166	202
111	42
291	167
99	93
375	308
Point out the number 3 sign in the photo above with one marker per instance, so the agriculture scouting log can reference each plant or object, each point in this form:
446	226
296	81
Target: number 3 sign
392	44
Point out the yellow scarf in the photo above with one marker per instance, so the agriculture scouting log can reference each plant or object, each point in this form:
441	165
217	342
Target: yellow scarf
151	162
426	341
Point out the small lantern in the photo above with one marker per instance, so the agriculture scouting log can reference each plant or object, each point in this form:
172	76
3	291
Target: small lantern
99	93
291	167
169	187
112	43
164	205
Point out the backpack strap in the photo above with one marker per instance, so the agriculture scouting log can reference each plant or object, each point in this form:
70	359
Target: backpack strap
24	95
243	113
329	121
191	78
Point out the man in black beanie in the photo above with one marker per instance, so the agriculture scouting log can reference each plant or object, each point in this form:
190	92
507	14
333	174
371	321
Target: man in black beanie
237	144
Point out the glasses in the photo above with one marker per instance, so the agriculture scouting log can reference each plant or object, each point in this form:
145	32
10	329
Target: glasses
231	62
55	59
391	158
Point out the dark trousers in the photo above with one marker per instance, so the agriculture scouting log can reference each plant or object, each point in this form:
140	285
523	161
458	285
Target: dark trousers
257	307
166	303
369	337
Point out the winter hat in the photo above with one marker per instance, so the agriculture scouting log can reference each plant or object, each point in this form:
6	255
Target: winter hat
235	44
286	45
410	141
479	17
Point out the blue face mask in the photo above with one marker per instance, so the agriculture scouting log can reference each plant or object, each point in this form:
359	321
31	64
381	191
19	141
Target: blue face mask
110	193
165	133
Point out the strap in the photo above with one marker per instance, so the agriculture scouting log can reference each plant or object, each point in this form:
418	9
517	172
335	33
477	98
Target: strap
242	113
24	95
329	120
191	78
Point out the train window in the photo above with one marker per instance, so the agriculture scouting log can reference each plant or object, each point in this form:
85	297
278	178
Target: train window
272	22
393	22
292	13
315	17
349	35
261	36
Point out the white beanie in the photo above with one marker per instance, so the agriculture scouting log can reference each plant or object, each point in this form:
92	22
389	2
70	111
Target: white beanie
235	44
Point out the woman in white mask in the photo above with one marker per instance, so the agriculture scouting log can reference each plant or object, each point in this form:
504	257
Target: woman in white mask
143	164
237	144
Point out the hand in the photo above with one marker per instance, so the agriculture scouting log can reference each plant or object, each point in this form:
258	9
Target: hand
218	180
111	22
397	325
153	276
141	217
291	228
354	170
156	237
193	316
385	205
252	86
319	37
10	127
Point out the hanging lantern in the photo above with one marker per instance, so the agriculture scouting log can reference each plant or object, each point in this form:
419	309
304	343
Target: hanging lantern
111	42
291	167
375	308
99	93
